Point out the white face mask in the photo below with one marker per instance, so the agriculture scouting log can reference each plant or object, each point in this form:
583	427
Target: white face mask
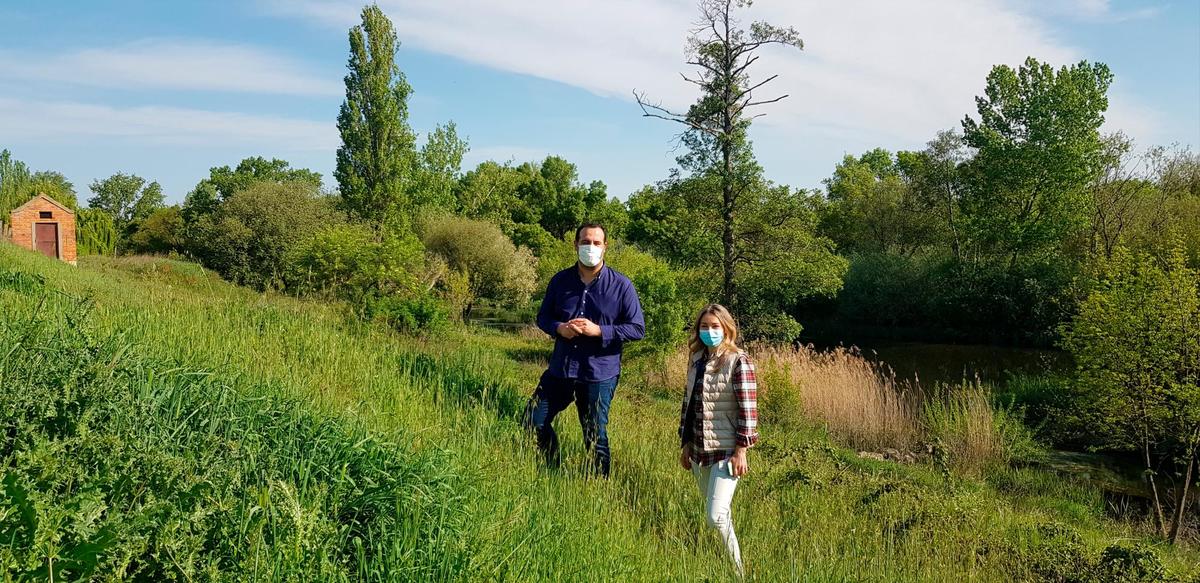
590	255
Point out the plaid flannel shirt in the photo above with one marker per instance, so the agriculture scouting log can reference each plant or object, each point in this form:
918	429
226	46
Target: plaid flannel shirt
745	391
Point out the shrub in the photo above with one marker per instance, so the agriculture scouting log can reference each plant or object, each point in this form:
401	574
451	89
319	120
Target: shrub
346	261
250	236
495	268
667	310
1058	553
161	232
975	434
1136	341
420	314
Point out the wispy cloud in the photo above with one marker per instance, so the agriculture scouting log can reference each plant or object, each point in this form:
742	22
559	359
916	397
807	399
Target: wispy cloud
62	120
176	64
892	72
1093	10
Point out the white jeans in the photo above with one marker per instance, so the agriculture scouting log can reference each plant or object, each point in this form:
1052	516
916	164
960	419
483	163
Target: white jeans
716	483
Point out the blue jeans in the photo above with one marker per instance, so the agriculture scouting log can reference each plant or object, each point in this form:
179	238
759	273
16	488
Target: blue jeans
592	401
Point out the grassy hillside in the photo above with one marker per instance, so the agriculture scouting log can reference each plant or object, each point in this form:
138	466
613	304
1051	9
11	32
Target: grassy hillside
160	423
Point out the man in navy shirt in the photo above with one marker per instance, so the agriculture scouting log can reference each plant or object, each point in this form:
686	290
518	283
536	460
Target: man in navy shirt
590	310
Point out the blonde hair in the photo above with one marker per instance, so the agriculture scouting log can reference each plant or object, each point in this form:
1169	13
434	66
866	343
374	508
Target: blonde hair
728	344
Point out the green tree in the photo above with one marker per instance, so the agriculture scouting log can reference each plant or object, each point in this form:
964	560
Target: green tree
161	232
18	185
250	237
126	197
14	182
377	158
1136	342
54	185
935	178
717	123
1038	148
1171	206
874	208
202	201
95	232
228	181
440	166
669	219
223	182
555	198
489	192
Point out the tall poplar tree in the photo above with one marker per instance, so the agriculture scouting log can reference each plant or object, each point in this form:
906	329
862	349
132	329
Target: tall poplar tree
378	155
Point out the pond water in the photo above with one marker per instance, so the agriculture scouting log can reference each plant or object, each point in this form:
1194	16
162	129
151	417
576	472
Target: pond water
933	363
930	362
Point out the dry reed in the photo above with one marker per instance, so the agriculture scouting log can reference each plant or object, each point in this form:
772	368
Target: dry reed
861	403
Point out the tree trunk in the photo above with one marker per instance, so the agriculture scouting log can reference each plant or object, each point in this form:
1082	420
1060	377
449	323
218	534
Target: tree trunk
728	294
1181	501
1158	511
954	243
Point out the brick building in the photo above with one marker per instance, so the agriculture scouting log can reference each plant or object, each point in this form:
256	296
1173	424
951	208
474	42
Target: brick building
45	225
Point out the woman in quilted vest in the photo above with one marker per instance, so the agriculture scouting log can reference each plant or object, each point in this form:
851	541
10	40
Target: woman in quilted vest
719	417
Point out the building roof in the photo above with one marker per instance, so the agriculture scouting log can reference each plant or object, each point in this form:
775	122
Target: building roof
48	199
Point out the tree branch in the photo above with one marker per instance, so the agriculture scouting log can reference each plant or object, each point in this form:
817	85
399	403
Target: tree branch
780	98
660	112
744	92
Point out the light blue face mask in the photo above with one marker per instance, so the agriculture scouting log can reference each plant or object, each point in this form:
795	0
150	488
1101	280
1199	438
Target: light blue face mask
712	337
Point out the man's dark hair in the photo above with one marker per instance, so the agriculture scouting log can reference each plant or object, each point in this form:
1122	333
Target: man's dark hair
579	231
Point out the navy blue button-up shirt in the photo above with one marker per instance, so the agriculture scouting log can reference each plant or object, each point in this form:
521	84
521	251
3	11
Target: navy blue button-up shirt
611	302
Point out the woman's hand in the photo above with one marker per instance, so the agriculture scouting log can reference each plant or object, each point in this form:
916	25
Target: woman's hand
737	464
685	457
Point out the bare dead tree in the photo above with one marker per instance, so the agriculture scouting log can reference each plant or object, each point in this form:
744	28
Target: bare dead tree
716	124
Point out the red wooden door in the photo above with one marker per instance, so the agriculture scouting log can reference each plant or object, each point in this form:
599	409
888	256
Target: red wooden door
45	238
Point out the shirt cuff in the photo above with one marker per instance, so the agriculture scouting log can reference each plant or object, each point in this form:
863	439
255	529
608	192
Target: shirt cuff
747	440
606	334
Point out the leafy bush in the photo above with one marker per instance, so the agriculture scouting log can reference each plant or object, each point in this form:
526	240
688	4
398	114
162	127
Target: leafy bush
347	261
495	268
1058	553
420	314
1136	342
667	309
251	234
161	232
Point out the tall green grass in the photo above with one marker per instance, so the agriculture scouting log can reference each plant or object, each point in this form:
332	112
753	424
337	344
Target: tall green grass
161	424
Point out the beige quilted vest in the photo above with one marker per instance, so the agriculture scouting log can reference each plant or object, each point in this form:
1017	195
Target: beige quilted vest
719	406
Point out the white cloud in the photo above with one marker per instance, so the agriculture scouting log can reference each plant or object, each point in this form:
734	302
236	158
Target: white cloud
49	121
889	72
194	65
898	69
1092	10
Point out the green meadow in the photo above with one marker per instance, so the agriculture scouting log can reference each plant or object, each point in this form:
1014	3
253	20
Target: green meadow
161	424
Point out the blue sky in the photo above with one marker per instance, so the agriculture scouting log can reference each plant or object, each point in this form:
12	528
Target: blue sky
167	90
